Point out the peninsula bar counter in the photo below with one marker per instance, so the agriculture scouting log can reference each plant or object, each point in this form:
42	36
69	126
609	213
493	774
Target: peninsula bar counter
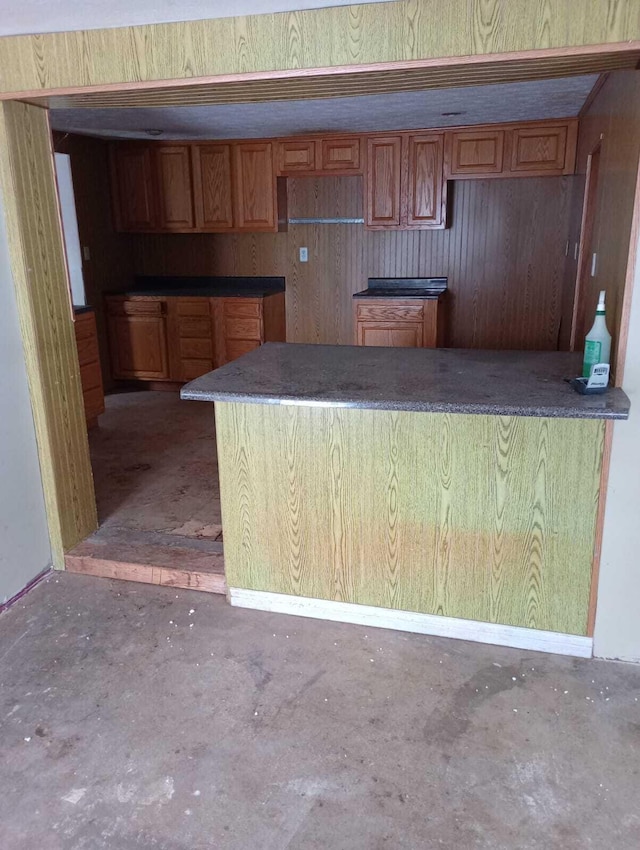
447	491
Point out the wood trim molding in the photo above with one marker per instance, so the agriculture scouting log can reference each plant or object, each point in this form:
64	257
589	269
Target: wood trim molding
602	79
602	503
408	621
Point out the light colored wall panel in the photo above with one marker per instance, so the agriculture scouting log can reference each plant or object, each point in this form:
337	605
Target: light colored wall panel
39	272
481	517
24	536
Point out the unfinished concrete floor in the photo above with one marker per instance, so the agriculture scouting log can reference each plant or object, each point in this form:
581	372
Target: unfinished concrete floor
143	717
154	466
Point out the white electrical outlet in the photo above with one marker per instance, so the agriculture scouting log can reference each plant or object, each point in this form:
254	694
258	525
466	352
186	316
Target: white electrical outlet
304	255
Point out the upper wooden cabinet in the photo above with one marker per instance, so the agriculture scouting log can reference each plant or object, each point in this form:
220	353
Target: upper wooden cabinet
213	187
426	189
536	149
133	187
340	155
175	181
335	155
384	166
188	188
476	152
297	155
405	186
255	187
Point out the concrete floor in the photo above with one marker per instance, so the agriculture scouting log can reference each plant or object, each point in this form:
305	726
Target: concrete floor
142	717
154	465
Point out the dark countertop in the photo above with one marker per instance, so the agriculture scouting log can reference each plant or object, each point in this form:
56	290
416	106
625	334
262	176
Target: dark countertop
404	287
444	380
399	293
78	309
205	287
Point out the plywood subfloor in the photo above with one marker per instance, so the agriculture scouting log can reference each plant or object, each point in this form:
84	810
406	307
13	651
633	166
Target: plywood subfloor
154	465
155	469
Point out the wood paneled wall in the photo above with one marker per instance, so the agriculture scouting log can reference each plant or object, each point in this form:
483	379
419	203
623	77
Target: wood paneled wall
614	117
504	256
110	265
340	35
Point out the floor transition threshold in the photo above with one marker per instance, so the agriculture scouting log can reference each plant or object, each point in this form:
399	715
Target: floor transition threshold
152	558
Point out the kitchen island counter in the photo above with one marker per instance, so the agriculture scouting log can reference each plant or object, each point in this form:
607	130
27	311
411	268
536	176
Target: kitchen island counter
444	380
447	492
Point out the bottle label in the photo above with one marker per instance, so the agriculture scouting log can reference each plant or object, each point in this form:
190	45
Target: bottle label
592	351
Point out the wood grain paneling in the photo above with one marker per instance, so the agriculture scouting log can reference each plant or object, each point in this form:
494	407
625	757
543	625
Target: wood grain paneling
481	517
504	254
337	36
613	115
42	290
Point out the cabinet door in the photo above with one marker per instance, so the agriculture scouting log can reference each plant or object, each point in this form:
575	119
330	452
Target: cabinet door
539	149
175	198
255	184
213	188
476	152
133	187
296	156
425	183
390	334
138	341
384	159
340	155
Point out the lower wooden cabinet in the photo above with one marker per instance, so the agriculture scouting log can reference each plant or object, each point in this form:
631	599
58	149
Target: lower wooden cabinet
399	323
90	371
177	339
138	338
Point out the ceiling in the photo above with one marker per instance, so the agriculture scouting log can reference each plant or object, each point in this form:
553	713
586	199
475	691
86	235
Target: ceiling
40	16
521	101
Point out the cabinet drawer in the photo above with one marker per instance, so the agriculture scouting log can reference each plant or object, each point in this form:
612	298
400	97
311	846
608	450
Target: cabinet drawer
192	369
136	308
87	350
235	328
389	312
193	327
90	376
197	307
85	326
194	349
93	402
237	347
242	307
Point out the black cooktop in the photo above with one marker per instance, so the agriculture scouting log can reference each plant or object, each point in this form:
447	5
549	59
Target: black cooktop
404	287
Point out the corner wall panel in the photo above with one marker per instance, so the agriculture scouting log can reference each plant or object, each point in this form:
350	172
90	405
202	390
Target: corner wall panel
40	276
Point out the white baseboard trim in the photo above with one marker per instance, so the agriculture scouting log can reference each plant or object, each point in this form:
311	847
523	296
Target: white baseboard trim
409	621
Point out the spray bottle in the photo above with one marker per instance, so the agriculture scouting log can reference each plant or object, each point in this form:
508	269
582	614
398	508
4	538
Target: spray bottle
597	344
